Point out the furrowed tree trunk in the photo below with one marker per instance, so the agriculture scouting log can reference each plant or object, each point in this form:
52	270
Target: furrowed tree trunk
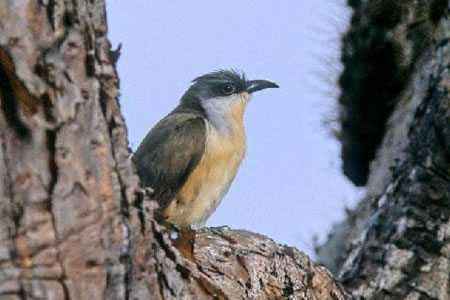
396	243
74	223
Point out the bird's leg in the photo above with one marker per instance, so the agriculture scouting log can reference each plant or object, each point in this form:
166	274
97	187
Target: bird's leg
184	242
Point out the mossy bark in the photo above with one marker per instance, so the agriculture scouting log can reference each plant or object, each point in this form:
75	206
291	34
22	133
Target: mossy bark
396	243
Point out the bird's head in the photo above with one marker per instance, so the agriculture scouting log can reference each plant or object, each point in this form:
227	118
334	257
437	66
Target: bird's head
223	93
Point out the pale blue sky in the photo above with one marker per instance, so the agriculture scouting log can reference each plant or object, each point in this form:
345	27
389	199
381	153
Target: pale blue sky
290	185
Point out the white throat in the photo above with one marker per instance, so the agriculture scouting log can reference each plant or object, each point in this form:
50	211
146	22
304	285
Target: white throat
226	113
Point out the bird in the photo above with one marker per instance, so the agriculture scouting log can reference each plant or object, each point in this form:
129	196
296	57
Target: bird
190	157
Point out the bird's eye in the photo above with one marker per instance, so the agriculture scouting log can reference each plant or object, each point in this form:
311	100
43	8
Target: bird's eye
227	89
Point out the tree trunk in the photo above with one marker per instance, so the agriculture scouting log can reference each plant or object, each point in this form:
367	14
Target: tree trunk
74	223
396	243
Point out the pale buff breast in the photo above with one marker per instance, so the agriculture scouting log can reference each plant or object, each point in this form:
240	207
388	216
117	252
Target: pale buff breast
210	180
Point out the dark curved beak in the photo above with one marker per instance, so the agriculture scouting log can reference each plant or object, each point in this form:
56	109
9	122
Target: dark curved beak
258	85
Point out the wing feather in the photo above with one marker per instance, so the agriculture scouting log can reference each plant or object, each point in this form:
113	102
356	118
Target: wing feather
169	153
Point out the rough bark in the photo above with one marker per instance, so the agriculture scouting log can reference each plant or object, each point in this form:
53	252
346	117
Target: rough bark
396	243
74	223
380	50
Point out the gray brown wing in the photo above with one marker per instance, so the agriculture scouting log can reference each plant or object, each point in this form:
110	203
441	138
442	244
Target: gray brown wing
169	153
